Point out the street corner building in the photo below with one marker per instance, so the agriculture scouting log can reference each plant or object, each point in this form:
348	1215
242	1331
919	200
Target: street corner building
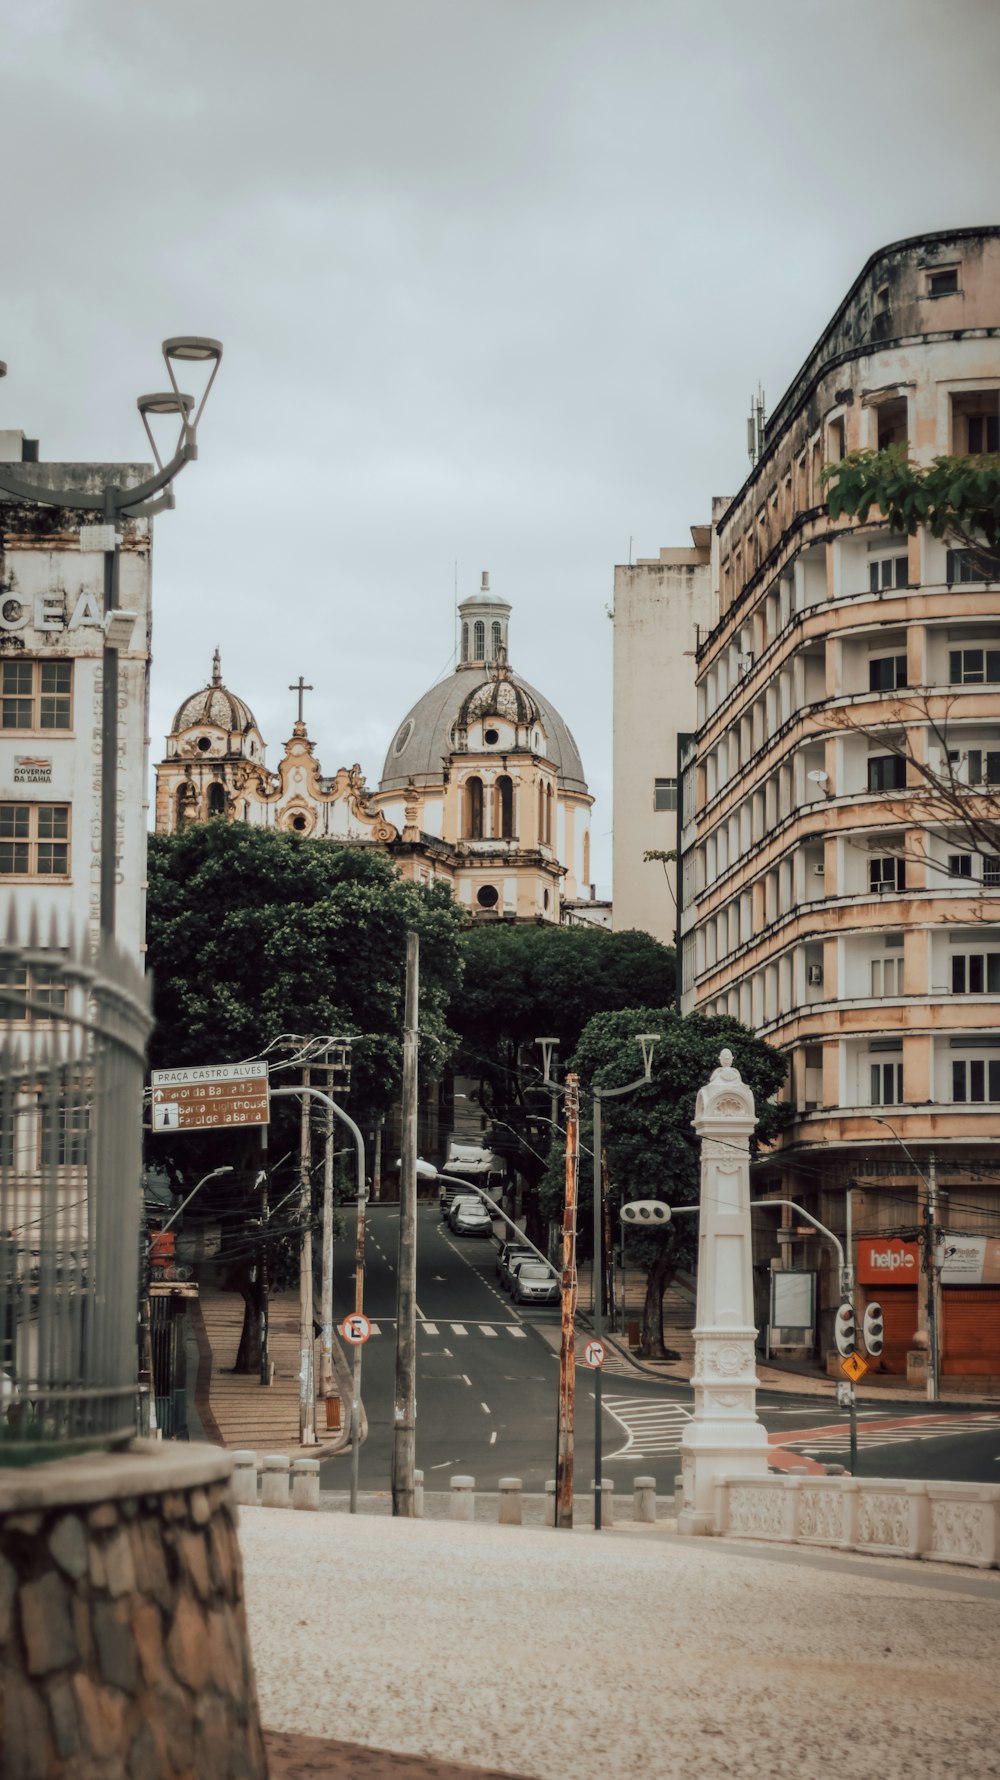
836	815
53	650
482	788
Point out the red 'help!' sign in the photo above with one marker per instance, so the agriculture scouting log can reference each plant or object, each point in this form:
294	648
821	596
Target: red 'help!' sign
888	1261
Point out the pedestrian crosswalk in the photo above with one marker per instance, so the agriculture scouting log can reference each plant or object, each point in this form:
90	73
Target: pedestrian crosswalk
489	1331
651	1425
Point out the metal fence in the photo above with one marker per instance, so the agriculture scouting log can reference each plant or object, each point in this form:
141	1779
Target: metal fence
73	1031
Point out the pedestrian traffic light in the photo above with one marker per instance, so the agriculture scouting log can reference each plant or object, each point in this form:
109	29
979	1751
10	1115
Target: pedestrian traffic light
844	1332
646	1211
873	1329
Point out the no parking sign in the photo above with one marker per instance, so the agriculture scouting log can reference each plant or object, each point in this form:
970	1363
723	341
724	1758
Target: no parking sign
356	1328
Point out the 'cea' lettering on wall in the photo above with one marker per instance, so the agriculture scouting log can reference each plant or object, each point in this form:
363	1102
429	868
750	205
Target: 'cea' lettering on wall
48	612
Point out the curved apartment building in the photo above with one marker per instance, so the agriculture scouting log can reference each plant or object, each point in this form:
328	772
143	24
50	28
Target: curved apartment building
840	884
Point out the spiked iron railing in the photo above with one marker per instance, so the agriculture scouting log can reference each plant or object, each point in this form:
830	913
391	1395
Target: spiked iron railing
73	1030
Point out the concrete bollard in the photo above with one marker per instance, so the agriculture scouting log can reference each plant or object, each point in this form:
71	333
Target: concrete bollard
550	1502
463	1498
245	1479
418	1495
305	1483
510	1502
644	1499
607	1501
274	1482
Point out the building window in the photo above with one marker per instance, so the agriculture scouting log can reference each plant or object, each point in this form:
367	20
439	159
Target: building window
36	695
975	973
474	809
943	283
888	571
65	1129
548	815
886	772
991	870
975	1079
215	803
43	986
465	642
34	840
886	673
886	872
886	1080
664	794
887	977
975	422
983	767
960	865
487	896
496	639
969	565
973	667
503	808
479	640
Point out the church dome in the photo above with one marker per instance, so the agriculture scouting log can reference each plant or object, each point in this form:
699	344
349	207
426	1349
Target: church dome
215	705
481	686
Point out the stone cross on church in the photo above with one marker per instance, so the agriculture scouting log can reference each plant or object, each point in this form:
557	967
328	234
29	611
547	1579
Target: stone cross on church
301	688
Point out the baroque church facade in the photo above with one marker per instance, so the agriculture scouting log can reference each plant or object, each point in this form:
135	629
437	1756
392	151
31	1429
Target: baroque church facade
482	787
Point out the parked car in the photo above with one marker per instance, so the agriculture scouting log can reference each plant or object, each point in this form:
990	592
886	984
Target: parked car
471	1218
451	1196
534	1283
507	1254
515	1264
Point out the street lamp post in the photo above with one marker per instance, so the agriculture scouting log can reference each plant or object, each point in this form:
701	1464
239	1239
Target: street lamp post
113	504
647	1040
930	1233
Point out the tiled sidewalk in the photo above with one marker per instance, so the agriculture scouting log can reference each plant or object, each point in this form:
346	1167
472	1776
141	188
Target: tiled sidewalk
236	1410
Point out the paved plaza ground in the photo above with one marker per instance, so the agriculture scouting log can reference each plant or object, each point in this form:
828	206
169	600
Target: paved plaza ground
583	1656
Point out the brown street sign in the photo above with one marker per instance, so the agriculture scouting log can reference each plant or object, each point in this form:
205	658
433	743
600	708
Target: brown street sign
218	1094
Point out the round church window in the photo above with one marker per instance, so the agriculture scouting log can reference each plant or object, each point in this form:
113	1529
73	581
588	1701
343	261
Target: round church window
491	736
204	743
403	736
299	823
487	897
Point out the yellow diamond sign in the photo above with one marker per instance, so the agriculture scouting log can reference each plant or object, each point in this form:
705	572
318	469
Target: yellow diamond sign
854	1367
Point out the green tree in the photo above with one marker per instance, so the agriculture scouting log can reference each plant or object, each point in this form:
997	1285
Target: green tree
252	933
954	497
523	982
651	1146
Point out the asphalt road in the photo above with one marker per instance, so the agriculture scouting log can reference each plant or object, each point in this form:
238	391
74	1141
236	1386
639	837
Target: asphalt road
487	1374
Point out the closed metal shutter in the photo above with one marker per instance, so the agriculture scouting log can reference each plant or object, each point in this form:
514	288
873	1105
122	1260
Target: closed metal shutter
900	1311
971	1319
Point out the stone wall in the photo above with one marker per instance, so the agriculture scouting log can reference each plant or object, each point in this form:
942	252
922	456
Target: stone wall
948	1523
123	1637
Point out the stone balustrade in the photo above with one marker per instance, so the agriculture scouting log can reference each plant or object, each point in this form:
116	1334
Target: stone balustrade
952	1523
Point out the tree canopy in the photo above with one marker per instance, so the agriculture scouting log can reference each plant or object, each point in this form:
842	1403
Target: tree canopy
651	1147
953	496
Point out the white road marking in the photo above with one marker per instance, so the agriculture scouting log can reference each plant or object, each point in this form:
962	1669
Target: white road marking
518	1334
430	1328
485	1406
447	1352
375	1329
459	1329
444	1464
484	1329
468	1381
493	1440
651	1427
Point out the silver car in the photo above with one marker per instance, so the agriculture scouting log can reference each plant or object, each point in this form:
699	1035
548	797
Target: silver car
470	1217
534	1283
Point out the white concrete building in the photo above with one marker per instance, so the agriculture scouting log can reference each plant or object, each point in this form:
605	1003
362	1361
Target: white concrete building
51	650
661	606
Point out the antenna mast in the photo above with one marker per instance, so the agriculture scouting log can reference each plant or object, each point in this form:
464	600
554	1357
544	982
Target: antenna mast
756	426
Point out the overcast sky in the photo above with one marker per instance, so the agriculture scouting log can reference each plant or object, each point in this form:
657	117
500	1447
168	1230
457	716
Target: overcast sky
495	280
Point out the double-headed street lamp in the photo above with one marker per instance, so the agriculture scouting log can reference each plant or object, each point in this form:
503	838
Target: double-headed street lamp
114	504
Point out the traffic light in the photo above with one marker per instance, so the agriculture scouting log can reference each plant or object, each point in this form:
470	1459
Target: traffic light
844	1332
873	1329
645	1211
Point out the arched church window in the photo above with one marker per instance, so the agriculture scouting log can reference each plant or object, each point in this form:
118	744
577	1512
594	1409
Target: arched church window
474	809
465	642
548	815
216	801
503	808
496	639
479	640
586	857
541	814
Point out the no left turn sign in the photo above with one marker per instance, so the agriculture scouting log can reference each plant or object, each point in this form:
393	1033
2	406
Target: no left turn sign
594	1353
356	1329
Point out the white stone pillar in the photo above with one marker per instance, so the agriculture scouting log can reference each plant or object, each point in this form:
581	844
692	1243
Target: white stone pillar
724	1436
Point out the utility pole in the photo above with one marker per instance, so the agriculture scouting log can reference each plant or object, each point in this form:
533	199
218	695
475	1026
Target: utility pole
847	1297
264	1275
598	1274
307	1388
377	1158
326	1288
405	1407
359	1305
567	1354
